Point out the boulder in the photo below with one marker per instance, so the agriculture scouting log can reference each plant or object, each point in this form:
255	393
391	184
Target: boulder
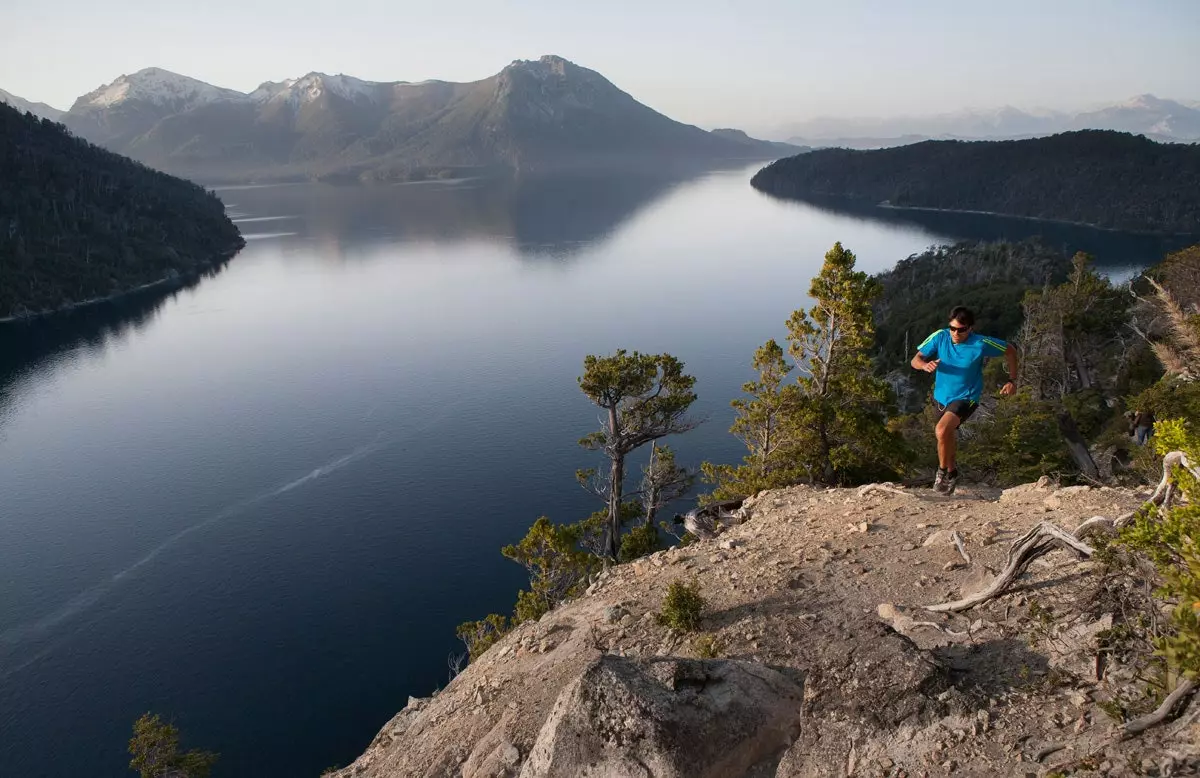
669	718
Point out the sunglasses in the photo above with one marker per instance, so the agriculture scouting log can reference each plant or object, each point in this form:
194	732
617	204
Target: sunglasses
958	329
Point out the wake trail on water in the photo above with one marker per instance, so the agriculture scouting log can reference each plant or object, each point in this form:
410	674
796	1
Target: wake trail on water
89	597
14	636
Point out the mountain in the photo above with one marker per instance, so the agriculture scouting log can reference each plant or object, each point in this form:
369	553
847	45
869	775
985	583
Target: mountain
740	136
78	223
1148	115
1096	177
1143	115
533	116
115	114
40	110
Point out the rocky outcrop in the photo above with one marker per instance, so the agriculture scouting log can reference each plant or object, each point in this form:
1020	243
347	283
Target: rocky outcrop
669	718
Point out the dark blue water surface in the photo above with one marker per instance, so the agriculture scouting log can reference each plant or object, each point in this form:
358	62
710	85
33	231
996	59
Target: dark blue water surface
260	506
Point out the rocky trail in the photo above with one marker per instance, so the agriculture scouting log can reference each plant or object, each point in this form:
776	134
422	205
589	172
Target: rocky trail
829	662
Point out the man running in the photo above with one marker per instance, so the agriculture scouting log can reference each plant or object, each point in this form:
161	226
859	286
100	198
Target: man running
955	355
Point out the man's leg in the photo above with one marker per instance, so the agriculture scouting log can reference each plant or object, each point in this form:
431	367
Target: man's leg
947	440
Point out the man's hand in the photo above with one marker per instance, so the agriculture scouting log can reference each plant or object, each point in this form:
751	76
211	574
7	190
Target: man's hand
931	365
1009	388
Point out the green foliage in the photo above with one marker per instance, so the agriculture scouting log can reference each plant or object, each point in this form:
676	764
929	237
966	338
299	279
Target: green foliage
79	223
708	646
663	482
1020	443
479	636
1099	177
638	542
992	278
1171	540
645	397
839	419
557	566
1170	398
763	423
682	606
155	751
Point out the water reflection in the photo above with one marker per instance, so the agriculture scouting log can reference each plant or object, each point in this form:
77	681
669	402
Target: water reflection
541	217
1121	253
28	348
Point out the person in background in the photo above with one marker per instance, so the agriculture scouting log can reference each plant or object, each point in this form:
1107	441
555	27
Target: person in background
955	356
1143	426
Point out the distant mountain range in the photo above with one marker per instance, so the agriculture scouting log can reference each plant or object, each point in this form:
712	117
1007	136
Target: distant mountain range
531	117
1158	119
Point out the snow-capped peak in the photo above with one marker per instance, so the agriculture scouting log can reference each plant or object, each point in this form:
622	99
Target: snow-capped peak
296	91
1147	102
159	87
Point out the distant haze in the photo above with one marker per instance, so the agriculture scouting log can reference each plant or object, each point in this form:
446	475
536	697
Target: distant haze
761	66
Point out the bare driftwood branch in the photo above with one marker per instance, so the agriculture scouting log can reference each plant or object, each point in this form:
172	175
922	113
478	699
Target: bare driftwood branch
1183	690
1046	536
1165	485
958	543
1027	548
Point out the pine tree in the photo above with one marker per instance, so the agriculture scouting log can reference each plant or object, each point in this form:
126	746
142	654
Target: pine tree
762	423
839	422
645	397
155	751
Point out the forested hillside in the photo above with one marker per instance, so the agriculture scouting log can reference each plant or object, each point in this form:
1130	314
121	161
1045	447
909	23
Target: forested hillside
79	223
990	277
1107	179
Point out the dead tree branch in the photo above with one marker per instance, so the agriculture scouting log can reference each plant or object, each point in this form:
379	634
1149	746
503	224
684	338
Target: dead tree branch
1183	690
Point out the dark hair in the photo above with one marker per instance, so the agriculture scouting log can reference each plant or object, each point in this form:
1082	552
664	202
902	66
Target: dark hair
962	315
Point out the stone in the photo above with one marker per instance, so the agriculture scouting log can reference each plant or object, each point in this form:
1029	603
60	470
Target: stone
510	755
1052	503
886	611
940	538
863	526
613	614
1045	483
694	718
979	578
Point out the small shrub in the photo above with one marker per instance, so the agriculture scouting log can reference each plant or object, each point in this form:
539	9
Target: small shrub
479	636
708	646
639	542
155	751
682	606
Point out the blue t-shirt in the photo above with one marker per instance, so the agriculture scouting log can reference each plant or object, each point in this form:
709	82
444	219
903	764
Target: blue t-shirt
960	372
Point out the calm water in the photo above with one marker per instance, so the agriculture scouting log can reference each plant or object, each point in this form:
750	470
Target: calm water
261	505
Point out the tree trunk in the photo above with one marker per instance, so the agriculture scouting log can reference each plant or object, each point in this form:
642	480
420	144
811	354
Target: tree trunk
617	477
1077	446
1085	377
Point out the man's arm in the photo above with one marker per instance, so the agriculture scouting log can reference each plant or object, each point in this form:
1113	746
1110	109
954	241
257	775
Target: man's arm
1010	354
926	356
919	362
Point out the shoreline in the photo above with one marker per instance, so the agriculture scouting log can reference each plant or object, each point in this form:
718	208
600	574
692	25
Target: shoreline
176	279
1045	219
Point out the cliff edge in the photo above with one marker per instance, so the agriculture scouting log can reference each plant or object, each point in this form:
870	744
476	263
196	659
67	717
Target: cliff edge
827	663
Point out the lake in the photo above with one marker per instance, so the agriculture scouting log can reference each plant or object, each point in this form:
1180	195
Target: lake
259	506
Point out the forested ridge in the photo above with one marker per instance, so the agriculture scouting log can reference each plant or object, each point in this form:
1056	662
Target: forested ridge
1106	179
79	223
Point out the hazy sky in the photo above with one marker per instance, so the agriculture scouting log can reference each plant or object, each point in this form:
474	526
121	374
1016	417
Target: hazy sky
754	63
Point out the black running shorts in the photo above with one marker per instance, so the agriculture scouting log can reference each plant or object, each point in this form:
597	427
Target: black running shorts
960	408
